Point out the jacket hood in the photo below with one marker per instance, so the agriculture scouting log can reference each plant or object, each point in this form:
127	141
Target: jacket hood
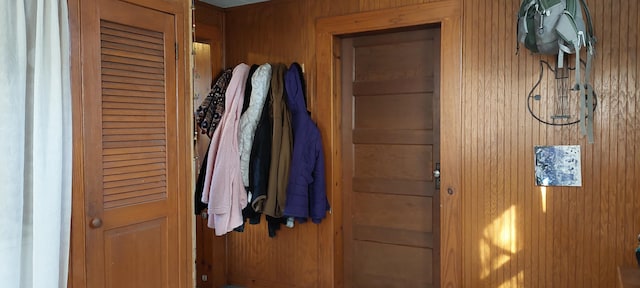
294	84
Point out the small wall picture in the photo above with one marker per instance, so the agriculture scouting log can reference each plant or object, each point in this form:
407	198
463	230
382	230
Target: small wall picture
558	165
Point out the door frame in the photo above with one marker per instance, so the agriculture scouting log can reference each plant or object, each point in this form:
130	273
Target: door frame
327	111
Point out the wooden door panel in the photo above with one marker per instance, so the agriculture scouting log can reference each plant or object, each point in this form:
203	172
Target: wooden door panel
393	136
132	262
395	111
391	146
396	236
393	186
379	62
131	155
391	86
406	162
144	212
386	266
393	211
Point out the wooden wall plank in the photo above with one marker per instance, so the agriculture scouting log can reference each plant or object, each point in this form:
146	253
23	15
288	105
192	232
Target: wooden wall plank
632	120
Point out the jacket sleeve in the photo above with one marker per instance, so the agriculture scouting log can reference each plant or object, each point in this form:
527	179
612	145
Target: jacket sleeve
260	161
318	189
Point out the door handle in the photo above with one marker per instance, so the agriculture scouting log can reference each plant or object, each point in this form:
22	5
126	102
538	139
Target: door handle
436	176
95	223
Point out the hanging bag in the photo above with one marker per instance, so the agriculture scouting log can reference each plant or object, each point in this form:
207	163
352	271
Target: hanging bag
557	27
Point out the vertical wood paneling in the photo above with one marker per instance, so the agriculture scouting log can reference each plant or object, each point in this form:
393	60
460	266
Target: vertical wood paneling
209	29
585	232
470	147
633	122
288	260
573	237
629	116
274	32
283	31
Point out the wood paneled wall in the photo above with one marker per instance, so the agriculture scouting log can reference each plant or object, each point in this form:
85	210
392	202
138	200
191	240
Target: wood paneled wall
515	234
210	250
279	32
282	31
209	28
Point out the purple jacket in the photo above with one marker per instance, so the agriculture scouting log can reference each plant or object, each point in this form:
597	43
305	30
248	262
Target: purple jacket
306	191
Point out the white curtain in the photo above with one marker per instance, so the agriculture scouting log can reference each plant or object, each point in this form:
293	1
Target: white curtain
35	143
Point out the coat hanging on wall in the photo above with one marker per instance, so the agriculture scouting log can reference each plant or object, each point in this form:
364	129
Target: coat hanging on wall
274	165
223	190
306	192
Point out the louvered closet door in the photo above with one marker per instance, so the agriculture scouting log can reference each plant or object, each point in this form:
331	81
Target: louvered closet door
129	77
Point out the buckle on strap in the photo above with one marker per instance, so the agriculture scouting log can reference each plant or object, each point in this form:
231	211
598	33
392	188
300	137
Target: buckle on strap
582	37
590	48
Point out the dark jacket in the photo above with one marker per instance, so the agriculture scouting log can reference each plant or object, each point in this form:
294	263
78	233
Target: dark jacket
306	191
248	88
210	111
198	205
260	160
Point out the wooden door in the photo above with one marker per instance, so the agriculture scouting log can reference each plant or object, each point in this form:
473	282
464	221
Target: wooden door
391	147
130	109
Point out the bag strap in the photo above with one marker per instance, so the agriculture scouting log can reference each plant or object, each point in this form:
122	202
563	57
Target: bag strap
580	88
567	29
590	40
570	6
590	99
589	23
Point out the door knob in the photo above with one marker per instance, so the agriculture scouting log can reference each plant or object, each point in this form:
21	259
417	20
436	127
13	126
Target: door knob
96	223
436	176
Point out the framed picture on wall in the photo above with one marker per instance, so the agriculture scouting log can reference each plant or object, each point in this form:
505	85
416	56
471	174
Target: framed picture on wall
558	165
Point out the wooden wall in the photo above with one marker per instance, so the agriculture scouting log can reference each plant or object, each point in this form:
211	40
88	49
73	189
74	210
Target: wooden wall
514	233
210	250
282	31
209	28
279	32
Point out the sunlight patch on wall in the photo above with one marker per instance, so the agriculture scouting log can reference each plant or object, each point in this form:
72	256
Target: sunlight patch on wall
515	281
543	194
499	237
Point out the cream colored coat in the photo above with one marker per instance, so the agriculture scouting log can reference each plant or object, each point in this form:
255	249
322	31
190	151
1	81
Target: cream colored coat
249	120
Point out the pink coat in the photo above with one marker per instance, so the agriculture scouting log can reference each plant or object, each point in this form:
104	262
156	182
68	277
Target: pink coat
223	189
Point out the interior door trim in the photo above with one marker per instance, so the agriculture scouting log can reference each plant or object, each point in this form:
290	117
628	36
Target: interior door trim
327	111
